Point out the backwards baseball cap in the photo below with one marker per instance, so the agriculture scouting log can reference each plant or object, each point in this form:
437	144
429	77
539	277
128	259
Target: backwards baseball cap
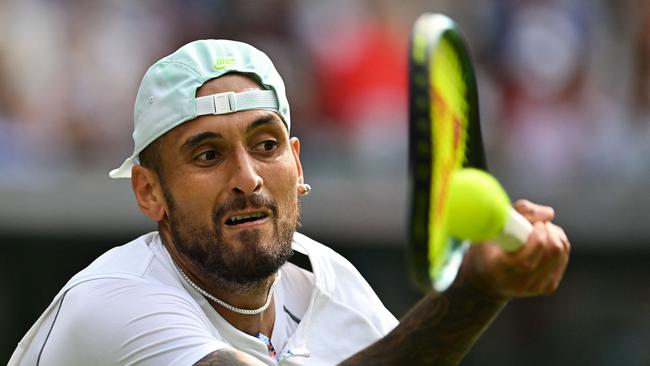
167	94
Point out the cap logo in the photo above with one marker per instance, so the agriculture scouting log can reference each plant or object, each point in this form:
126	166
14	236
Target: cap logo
223	62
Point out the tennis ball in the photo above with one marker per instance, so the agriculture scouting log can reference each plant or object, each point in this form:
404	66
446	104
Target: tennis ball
478	206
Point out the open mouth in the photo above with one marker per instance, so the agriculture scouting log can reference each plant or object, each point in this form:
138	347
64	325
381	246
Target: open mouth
245	218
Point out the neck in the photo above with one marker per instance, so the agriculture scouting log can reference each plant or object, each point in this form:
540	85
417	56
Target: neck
255	298
250	324
248	296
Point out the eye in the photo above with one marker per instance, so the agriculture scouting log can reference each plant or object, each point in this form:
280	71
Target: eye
208	155
266	146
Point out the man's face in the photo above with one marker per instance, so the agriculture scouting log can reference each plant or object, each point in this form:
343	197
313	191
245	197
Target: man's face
229	183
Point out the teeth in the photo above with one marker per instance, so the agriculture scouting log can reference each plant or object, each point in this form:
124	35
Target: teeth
244	217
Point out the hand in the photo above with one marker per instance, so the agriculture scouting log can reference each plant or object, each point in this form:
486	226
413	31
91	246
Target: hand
535	269
442	327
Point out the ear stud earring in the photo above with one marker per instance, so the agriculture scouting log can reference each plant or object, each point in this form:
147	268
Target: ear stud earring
304	189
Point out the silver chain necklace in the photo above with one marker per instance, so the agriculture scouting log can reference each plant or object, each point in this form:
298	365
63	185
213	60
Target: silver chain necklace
234	309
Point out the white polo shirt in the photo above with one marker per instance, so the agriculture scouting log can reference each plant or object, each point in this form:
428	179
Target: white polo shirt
132	307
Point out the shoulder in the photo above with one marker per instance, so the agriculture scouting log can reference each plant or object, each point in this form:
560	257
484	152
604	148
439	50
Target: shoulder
122	284
128	282
132	258
127	307
143	259
129	321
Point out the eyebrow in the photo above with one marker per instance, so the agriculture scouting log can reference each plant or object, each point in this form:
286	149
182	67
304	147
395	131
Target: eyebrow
196	140
268	118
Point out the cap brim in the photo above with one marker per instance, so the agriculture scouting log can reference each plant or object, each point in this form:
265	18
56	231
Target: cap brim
124	171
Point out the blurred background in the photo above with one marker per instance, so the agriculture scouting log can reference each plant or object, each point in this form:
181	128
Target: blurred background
565	107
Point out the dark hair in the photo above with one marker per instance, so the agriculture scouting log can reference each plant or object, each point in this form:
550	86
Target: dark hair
151	157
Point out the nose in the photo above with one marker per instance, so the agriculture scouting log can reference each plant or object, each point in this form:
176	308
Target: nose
245	178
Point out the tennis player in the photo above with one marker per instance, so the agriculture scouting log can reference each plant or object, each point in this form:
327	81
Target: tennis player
215	166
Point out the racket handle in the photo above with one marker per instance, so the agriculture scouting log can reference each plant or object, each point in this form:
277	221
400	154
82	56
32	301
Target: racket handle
515	231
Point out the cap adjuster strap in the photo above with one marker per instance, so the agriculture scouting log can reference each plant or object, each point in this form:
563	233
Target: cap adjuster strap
229	102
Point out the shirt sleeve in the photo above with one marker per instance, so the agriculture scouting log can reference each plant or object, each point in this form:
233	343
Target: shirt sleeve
126	322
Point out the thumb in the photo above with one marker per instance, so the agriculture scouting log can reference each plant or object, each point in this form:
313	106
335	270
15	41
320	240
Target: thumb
534	212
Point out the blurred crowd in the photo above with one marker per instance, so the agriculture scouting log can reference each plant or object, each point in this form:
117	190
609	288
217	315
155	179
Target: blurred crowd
564	84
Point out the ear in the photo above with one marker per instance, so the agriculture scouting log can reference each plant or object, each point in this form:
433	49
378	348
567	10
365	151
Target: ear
148	192
295	148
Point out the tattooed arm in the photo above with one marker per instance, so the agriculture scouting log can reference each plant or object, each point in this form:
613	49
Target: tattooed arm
442	328
439	330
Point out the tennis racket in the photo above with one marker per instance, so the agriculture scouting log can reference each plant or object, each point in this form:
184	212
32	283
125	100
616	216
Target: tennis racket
444	136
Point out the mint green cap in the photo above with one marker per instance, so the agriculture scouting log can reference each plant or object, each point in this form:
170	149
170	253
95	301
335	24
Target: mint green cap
167	94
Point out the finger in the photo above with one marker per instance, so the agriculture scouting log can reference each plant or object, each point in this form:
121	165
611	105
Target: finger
535	247
552	268
549	277
529	256
562	257
534	212
543	283
558	242
565	239
553	236
554	282
532	265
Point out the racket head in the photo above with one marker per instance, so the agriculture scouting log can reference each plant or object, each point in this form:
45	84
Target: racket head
444	136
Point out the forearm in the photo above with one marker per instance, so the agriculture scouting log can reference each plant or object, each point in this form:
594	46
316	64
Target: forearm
439	330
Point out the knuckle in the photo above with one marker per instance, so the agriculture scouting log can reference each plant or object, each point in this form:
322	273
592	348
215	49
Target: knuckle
524	207
551	212
555	248
521	202
552	287
529	266
541	232
564	239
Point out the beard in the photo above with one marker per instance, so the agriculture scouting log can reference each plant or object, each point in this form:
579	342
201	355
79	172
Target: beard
243	262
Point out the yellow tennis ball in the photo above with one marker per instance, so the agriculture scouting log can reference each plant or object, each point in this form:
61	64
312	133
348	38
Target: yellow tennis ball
478	206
